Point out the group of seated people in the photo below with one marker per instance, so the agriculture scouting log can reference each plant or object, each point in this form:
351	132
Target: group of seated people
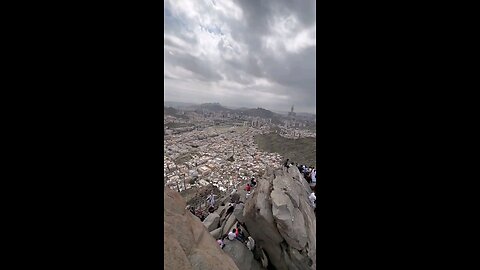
237	234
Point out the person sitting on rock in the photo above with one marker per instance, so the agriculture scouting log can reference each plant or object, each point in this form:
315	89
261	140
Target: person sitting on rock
221	243
239	234
247	188
250	243
231	235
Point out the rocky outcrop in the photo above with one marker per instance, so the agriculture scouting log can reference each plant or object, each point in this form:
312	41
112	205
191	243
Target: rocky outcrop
187	243
211	222
241	255
278	216
238	212
216	233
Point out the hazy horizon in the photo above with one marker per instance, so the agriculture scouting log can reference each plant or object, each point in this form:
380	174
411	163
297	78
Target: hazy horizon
241	53
286	110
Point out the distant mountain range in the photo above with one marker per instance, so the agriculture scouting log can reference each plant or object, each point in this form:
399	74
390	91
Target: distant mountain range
213	107
171	109
175	104
173	112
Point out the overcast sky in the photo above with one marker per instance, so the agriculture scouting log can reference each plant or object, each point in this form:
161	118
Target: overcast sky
245	53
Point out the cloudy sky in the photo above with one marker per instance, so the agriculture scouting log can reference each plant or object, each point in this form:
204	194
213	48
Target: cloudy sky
244	53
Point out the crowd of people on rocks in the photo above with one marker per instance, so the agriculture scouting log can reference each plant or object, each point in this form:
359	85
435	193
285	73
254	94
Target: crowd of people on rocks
237	233
310	175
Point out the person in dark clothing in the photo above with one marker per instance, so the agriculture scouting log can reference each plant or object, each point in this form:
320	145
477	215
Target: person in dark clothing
253	182
300	168
286	164
230	210
239	234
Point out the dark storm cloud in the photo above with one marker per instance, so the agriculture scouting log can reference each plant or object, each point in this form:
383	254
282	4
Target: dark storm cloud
246	53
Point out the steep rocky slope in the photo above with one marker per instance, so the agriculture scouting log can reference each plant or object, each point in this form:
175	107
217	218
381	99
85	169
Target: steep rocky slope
187	243
281	220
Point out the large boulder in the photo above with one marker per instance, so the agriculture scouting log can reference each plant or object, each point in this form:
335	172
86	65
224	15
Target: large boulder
216	233
241	255
278	216
187	243
212	221
238	212
235	197
229	224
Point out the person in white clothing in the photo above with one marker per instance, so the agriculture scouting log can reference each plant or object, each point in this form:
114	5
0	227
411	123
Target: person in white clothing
231	236
250	243
211	199
221	243
312	199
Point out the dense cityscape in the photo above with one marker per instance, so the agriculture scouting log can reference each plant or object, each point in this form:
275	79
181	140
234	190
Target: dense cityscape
204	147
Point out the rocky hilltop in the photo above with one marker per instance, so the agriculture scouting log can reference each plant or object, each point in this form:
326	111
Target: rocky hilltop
277	215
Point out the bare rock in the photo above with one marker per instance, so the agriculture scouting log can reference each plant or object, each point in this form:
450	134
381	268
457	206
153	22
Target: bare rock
211	222
238	212
216	233
187	243
282	222
241	255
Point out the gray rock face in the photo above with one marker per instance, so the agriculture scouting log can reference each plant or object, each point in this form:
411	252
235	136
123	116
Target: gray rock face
235	197
229	224
278	216
187	244
212	221
238	212
241	255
